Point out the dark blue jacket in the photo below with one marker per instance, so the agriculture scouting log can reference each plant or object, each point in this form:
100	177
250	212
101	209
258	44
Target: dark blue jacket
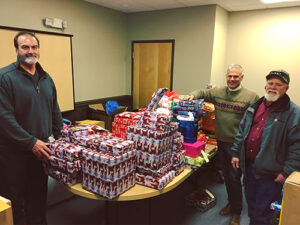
280	147
27	112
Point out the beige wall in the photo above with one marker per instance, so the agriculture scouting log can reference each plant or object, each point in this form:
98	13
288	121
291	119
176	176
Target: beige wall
218	67
207	39
99	41
263	40
193	30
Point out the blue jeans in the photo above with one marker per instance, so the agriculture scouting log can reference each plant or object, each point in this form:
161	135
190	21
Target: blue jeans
232	177
260	193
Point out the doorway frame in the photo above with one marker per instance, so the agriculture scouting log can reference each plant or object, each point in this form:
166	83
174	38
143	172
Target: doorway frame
153	41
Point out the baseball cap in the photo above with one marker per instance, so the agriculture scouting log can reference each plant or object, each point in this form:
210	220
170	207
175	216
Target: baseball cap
283	75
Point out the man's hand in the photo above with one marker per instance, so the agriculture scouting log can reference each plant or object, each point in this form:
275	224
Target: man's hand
188	97
235	162
280	178
41	150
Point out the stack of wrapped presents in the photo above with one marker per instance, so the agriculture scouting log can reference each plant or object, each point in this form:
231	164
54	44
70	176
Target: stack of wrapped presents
155	137
122	121
65	163
188	113
178	154
196	107
108	163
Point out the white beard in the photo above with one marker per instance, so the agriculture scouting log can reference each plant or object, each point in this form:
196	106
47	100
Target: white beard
270	97
29	60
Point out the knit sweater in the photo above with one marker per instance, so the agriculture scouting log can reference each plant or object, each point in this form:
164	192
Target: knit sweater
229	108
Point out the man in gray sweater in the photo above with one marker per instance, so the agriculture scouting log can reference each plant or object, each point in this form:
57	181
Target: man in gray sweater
230	103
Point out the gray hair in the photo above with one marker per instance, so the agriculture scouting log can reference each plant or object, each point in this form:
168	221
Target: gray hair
237	66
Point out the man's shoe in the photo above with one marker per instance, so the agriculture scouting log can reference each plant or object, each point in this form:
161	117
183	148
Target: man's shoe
235	220
226	211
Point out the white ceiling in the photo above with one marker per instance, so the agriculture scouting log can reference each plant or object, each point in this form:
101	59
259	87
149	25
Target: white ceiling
150	5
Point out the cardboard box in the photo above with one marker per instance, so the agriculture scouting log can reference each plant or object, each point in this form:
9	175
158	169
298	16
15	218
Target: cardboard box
5	212
290	211
97	114
92	122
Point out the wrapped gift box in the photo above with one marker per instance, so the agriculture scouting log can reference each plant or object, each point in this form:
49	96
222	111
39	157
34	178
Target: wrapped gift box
150	145
130	115
106	188
125	121
178	157
62	177
119	130
107	166
122	121
106	143
91	141
156	121
155	182
194	149
209	118
196	107
151	161
177	142
154	173
64	165
198	161
107	174
178	154
66	150
178	168
76	131
147	133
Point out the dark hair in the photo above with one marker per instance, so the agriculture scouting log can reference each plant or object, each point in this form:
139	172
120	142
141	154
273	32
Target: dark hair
24	33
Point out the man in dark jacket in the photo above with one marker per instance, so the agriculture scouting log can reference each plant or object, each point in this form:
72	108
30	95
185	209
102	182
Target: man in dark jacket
267	147
29	115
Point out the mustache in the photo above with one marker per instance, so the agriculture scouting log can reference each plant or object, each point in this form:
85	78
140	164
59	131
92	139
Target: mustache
30	54
271	90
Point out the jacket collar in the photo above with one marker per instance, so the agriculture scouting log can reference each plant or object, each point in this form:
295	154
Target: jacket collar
283	107
39	68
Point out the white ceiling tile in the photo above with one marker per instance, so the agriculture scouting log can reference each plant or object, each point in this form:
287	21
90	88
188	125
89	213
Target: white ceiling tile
147	5
283	4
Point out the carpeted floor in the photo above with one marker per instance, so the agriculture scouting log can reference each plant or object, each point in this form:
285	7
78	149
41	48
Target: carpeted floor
169	208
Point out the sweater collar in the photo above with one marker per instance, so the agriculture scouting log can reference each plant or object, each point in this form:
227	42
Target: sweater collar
235	89
39	68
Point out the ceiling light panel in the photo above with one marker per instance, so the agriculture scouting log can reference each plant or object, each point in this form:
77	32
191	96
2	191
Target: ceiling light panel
277	1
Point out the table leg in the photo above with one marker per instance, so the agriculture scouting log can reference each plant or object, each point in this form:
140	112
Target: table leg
149	211
111	213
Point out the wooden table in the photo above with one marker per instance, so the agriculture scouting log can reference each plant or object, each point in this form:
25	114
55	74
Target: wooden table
136	192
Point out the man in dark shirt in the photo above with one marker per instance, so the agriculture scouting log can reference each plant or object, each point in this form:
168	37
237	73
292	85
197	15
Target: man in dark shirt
29	115
267	146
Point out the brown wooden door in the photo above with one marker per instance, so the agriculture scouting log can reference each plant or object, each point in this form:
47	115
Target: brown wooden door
152	69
